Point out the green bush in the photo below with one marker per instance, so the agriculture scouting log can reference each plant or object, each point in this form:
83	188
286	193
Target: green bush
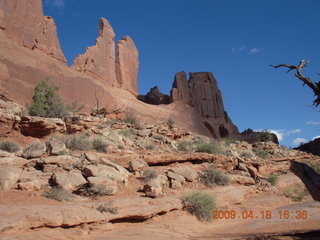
47	103
170	122
149	174
185	145
229	141
127	132
199	204
208	147
295	193
159	137
246	154
265	136
211	177
132	118
273	179
150	146
99	145
260	153
97	190
107	207
76	141
58	193
9	146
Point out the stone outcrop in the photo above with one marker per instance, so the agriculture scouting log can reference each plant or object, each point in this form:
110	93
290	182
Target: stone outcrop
127	65
24	23
99	60
155	97
311	147
201	92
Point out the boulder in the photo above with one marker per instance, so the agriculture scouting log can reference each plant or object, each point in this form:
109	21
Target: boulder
56	147
188	173
72	180
40	127
101	180
124	172
13	161
154	187
100	170
9	111
137	165
34	150
9	177
242	180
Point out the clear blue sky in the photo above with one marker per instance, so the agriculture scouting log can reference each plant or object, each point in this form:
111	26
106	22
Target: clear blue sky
236	40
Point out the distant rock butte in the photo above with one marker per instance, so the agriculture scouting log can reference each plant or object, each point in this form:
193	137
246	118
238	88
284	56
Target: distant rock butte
24	23
201	92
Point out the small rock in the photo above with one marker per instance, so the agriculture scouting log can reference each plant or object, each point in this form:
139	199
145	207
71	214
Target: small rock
175	184
137	165
34	150
175	176
243	180
69	180
154	187
9	177
101	180
124	172
6	154
143	133
56	147
188	173
103	171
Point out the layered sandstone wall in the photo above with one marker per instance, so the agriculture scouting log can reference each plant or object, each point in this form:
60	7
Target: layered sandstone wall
201	92
23	22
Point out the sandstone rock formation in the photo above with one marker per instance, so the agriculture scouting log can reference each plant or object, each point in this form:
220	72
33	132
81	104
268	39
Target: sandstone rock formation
201	91
98	60
127	65
24	23
155	97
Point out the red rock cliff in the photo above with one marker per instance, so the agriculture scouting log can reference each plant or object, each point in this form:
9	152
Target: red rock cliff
201	92
23	22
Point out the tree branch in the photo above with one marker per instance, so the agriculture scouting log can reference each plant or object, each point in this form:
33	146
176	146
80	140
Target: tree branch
306	81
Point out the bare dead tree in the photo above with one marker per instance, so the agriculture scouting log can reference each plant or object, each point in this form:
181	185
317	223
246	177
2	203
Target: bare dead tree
315	86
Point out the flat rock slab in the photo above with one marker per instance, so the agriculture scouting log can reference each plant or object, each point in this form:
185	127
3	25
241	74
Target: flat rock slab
24	217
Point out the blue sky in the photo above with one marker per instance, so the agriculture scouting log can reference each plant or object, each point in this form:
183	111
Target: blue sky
236	40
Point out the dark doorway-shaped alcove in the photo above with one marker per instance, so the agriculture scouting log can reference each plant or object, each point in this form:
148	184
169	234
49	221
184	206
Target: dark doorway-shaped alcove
223	131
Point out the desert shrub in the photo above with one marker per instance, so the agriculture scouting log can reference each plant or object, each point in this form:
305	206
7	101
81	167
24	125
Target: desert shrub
260	153
132	118
185	145
229	141
78	142
212	176
57	193
170	122
107	207
273	179
99	145
200	204
97	190
246	154
208	147
159	137
127	132
9	146
149	174
295	193
47	103
265	136
150	146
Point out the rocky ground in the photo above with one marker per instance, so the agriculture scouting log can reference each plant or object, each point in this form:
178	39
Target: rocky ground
114	177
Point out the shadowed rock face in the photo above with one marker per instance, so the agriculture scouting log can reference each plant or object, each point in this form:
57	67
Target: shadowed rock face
309	177
311	147
155	97
24	23
201	91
